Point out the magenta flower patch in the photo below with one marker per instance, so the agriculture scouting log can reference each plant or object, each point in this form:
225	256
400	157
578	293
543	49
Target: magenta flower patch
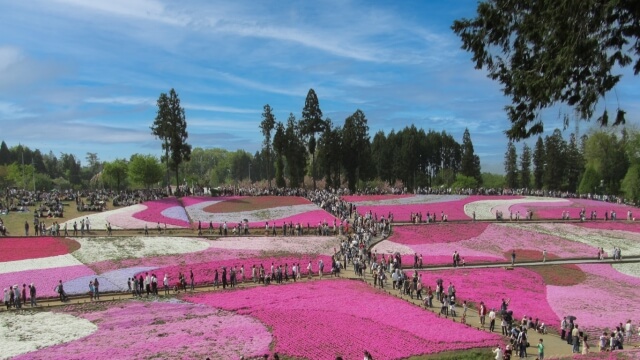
313	320
525	288
154	212
152	330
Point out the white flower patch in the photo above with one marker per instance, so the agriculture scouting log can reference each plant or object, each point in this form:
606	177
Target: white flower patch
628	242
486	209
99	220
21	333
411	200
197	213
631	269
390	247
119	248
321	245
40	263
120	218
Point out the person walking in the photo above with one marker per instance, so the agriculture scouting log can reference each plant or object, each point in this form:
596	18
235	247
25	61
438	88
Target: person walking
540	350
32	295
575	335
513	258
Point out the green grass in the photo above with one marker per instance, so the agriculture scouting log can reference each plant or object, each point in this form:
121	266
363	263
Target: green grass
473	354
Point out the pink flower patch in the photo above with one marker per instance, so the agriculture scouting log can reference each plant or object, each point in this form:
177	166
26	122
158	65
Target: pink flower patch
525	288
204	272
12	249
357	198
153	212
312	320
498	239
139	330
611	225
172	260
453	209
551	210
45	280
437	233
604	300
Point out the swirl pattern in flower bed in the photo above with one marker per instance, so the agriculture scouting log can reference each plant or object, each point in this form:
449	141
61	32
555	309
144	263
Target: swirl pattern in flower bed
312	320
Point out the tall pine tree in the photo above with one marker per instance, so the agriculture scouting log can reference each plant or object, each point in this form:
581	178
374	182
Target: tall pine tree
469	162
511	166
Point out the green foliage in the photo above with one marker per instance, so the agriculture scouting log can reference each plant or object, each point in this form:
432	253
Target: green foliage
493	181
525	167
555	161
445	178
266	126
605	153
311	124
590	183
539	161
5	154
115	173
170	126
545	53
144	170
631	184
465	182
356	148
469	162
330	155
511	166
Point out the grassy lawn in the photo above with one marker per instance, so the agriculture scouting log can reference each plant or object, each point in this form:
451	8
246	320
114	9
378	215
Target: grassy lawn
14	221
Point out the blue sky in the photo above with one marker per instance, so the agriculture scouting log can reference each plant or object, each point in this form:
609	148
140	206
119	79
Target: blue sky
81	76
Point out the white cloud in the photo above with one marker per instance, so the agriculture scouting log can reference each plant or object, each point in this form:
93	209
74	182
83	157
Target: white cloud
150	10
134	100
10	111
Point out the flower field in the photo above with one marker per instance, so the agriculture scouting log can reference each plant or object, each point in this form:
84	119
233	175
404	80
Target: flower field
28	332
169	330
255	210
317	317
311	319
13	249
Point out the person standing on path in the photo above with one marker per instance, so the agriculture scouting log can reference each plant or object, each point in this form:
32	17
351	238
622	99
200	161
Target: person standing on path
96	286
498	352
492	320
575	334
32	295
540	350
513	258
544	255
482	312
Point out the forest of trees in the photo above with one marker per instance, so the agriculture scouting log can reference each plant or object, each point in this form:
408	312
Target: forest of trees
316	150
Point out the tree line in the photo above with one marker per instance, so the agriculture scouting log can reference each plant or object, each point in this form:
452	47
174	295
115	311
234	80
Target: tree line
603	162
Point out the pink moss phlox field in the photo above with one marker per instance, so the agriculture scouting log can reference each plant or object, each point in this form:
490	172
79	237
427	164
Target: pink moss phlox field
154	210
139	330
498	239
525	288
447	260
204	272
357	198
45	280
549	210
453	209
437	233
209	254
604	300
611	225
12	249
437	250
312	218
193	200
312	320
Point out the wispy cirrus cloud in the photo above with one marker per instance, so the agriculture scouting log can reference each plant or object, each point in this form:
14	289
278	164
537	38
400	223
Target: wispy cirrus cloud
134	101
